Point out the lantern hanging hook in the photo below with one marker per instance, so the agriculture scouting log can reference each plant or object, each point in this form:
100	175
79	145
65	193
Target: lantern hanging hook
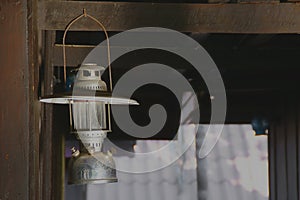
84	14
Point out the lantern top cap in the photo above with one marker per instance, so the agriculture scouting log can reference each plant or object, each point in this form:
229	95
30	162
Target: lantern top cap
90	66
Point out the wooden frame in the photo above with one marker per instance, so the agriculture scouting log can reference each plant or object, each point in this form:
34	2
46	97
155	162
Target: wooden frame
19	78
204	18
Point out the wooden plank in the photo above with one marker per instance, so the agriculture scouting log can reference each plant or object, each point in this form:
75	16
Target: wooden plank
34	105
291	150
261	60
294	1
204	18
60	127
281	173
272	160
47	121
53	129
258	1
220	1
18	174
298	143
284	151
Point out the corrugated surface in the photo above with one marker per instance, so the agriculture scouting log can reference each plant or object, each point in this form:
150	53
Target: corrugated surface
285	151
237	168
175	182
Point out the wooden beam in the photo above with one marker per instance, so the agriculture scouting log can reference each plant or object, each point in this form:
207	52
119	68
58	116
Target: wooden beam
47	148
204	18
19	135
33	114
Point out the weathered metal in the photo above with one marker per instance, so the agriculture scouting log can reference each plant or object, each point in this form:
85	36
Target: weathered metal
92	168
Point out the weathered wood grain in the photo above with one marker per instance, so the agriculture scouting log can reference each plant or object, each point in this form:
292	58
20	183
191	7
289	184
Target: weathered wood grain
204	18
18	134
47	147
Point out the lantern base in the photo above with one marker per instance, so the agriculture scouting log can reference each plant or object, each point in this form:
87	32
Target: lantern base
96	168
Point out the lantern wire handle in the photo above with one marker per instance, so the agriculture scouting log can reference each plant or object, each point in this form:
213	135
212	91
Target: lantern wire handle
84	14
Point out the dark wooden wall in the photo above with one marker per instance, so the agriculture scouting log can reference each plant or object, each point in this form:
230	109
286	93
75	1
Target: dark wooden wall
18	110
21	157
284	152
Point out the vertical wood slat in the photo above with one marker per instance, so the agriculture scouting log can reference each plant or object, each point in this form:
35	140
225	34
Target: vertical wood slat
34	106
46	135
291	151
284	153
298	148
54	128
281	181
60	128
272	162
17	129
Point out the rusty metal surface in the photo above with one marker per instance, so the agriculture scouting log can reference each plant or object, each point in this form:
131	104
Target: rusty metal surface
205	18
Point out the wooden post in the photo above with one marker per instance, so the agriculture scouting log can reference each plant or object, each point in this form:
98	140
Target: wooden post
19	110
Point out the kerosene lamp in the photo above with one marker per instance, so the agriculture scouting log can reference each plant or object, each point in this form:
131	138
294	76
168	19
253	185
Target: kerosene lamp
89	112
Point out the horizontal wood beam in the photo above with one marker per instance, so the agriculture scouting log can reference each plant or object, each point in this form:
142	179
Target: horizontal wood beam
204	18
